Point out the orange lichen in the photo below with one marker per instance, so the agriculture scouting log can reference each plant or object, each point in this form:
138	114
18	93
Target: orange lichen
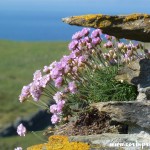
58	142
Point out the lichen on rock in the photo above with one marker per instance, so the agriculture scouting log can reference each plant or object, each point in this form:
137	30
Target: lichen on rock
132	26
59	142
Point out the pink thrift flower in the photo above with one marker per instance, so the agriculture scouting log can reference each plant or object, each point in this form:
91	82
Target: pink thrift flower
37	75
89	45
77	36
59	66
87	39
59	82
53	108
60	105
81	60
46	69
96	41
96	33
58	96
73	45
52	65
35	91
25	93
67	69
18	148
55	73
65	60
109	44
44	81
74	54
54	119
72	87
85	32
21	130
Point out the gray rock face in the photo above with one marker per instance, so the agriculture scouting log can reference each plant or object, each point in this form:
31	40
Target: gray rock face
137	73
144	76
130	73
133	26
108	141
133	113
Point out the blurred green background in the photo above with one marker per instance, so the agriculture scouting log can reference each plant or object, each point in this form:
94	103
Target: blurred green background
18	62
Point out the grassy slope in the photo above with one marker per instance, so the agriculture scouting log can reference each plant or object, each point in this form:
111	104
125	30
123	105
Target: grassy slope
30	139
18	61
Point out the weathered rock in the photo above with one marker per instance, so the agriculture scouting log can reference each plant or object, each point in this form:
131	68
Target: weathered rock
133	26
131	113
105	141
129	73
144	76
137	73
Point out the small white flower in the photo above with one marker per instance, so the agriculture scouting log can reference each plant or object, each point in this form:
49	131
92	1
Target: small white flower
21	130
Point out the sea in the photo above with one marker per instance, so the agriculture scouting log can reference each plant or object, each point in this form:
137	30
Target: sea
41	20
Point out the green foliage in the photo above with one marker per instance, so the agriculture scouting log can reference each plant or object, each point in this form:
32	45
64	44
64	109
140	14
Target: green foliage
9	143
100	86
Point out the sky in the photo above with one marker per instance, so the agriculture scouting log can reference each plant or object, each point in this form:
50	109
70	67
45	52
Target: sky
41	19
90	6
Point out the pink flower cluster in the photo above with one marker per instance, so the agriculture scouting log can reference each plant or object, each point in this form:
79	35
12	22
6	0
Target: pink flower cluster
35	88
82	39
66	75
56	109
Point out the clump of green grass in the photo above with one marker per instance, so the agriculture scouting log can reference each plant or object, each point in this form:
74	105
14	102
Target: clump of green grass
9	143
101	86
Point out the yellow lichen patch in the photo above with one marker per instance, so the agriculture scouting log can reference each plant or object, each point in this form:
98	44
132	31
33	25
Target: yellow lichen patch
91	17
58	138
88	17
79	146
58	142
92	20
135	17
